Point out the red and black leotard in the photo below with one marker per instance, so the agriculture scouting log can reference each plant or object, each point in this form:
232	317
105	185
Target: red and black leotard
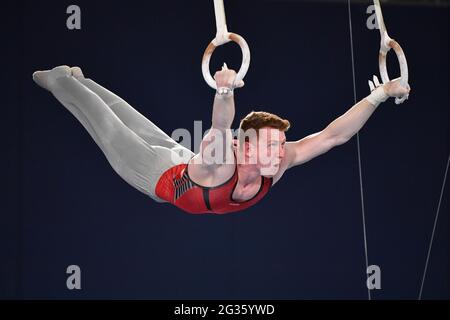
176	187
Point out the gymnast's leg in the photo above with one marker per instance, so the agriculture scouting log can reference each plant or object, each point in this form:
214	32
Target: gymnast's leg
132	158
134	120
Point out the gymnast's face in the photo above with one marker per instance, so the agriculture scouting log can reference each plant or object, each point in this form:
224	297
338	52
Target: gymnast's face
267	150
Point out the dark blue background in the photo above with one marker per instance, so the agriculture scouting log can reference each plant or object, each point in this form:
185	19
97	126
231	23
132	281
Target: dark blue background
62	203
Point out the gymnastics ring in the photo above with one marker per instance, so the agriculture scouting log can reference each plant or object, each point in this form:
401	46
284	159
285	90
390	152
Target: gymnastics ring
222	37
209	51
387	44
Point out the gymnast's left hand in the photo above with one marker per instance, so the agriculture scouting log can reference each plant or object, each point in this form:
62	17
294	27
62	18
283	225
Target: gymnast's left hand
394	88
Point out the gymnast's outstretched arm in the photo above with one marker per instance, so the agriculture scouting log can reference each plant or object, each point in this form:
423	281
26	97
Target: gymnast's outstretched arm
343	128
222	119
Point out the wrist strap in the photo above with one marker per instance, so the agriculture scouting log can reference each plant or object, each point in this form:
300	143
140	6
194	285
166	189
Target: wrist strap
377	96
224	91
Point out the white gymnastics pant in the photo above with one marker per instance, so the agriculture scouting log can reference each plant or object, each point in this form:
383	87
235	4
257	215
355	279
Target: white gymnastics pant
135	147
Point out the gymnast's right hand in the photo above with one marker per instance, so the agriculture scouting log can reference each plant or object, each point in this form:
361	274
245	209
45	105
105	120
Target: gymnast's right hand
225	78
